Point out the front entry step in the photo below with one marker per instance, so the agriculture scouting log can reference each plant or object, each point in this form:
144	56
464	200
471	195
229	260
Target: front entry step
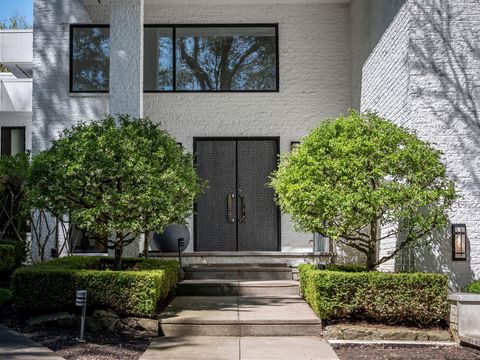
239	316
238	288
239	272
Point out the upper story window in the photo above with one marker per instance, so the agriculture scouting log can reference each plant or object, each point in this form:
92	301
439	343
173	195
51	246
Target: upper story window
12	140
184	58
89	58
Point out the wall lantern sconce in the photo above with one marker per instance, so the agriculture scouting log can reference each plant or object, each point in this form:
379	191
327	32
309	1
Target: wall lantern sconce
294	144
459	242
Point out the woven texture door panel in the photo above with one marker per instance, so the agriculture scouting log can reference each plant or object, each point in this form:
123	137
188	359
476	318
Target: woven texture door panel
256	209
216	163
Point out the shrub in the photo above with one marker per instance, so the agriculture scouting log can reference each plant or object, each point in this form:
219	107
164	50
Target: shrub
121	176
7	258
413	298
136	290
346	267
474	287
5	296
358	171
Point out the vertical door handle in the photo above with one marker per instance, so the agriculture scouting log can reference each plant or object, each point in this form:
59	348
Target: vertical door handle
230	206
243	208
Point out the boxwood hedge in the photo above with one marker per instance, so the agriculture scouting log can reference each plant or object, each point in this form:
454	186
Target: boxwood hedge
402	298
134	291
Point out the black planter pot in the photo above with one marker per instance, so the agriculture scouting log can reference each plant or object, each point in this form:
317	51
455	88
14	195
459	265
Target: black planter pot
168	240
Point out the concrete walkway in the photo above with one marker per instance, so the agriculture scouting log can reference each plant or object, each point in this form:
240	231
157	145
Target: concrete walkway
241	312
15	346
239	348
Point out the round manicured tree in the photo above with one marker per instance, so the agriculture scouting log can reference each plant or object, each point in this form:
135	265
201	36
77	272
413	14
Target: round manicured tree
122	176
355	174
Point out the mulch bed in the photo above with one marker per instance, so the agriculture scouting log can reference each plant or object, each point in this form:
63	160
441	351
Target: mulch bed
397	352
101	345
98	346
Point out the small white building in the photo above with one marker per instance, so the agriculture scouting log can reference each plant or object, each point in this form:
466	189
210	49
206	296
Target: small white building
16	55
291	63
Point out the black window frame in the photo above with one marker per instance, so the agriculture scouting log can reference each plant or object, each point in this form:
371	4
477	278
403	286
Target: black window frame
70	56
2	128
174	27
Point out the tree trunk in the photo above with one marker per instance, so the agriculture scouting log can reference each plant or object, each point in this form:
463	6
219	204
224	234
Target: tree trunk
372	247
146	244
118	255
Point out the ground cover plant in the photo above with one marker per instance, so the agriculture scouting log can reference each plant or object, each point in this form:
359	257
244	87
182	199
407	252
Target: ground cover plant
474	287
401	298
136	290
358	173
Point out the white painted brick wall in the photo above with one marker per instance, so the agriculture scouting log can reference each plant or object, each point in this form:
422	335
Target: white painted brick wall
315	80
424	74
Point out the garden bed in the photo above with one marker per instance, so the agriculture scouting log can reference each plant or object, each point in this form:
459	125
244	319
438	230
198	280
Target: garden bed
405	352
366	331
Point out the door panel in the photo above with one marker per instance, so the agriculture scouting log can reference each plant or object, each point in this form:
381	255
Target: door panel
216	163
256	209
240	168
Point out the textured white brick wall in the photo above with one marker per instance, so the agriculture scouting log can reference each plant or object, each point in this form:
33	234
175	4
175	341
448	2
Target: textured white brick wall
424	74
315	80
53	108
369	21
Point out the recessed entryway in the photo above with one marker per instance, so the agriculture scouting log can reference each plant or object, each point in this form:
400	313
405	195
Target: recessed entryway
237	211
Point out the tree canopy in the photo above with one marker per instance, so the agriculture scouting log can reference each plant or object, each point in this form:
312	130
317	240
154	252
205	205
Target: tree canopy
121	176
358	173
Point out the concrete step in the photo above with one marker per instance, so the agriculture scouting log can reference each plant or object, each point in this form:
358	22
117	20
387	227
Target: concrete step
238	288
239	316
238	272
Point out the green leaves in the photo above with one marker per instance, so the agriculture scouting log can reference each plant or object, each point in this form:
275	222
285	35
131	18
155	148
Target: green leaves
115	175
135	291
360	170
407	298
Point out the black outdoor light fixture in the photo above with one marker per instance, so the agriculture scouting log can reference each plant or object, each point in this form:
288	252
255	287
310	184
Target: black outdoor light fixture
294	144
459	242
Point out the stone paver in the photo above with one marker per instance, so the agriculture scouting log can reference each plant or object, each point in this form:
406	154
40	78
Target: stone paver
240	348
15	346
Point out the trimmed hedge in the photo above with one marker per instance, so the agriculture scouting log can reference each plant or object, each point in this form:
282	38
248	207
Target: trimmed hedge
134	291
405	298
474	287
346	267
7	258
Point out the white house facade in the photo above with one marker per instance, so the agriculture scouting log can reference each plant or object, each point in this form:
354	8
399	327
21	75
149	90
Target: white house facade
294	63
16	91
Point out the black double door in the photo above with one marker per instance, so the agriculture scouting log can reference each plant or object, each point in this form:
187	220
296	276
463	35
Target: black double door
237	211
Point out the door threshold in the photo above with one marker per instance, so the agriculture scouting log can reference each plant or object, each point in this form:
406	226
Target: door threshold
241	254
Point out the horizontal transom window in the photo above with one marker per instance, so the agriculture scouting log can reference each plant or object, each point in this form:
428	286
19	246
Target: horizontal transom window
183	58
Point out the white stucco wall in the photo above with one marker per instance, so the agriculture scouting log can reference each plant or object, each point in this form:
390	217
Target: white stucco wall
315	80
424	74
126	57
